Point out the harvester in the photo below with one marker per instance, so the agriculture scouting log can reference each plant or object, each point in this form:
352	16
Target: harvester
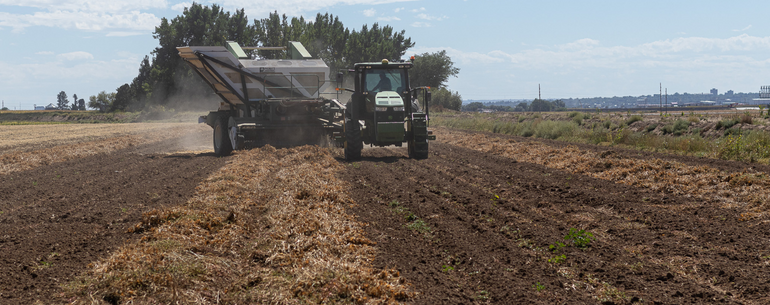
286	102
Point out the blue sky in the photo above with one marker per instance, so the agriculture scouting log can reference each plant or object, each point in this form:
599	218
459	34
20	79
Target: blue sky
504	49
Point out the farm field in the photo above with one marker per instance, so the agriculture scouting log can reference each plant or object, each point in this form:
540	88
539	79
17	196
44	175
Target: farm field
487	218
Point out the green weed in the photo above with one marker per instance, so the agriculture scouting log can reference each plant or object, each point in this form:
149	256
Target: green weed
579	238
539	287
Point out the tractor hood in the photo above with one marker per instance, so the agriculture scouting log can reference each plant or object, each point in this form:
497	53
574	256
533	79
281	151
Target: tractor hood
388	98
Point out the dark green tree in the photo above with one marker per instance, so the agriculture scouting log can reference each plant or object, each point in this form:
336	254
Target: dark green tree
74	102
197	26
122	98
475	106
446	99
81	104
102	101
521	107
432	69
62	103
540	105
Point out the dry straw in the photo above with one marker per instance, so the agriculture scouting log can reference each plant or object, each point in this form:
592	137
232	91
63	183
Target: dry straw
270	227
745	190
109	138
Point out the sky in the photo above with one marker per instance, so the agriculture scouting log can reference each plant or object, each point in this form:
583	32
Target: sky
504	49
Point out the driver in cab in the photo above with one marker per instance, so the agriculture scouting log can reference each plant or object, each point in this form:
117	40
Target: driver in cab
384	83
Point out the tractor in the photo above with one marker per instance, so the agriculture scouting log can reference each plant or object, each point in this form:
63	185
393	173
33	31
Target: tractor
383	110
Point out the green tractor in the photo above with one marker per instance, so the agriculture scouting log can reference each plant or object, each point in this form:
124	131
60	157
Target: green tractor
384	110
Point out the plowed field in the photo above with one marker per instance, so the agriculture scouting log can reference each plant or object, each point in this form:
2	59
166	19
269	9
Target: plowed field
485	219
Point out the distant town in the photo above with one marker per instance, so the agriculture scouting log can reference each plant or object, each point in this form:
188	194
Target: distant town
713	98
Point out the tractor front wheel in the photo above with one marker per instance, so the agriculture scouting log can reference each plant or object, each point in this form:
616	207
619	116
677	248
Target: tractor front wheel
353	144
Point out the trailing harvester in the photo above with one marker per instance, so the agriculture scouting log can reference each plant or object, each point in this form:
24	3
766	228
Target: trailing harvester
266	101
285	102
384	110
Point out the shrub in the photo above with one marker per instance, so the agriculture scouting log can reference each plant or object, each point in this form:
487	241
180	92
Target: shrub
727	123
554	129
633	119
651	127
573	114
746	118
578	120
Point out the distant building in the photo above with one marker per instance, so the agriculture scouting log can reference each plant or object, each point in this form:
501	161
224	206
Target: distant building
50	106
39	107
729	92
714	91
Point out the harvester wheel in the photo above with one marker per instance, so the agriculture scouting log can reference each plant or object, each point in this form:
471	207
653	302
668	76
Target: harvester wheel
353	144
222	143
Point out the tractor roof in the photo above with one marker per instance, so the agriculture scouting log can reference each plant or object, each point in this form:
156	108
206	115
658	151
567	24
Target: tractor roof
384	64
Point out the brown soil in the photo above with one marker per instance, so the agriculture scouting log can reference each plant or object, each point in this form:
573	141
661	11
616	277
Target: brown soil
461	227
492	220
56	219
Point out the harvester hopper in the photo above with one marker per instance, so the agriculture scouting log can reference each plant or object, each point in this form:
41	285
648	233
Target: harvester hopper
280	102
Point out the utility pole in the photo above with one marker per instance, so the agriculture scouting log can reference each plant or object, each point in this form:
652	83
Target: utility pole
666	100
661	97
538	92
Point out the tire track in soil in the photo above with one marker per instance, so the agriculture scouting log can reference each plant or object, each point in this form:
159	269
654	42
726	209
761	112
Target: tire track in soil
650	247
57	219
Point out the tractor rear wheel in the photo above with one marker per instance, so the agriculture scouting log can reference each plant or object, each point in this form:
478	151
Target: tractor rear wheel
222	144
353	144
414	154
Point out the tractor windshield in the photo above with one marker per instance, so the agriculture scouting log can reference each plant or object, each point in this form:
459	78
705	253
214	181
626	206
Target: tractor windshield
378	80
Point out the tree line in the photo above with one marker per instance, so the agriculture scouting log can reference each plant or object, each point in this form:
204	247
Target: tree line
164	80
537	105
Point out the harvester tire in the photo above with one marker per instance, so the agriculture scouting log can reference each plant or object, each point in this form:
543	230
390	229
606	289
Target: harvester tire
222	143
353	144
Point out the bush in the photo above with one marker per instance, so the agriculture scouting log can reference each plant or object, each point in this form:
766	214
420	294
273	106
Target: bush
574	114
554	129
727	123
633	119
651	127
578	120
746	118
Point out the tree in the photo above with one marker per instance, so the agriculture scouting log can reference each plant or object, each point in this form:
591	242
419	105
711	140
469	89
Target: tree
432	69
446	99
102	101
540	105
81	104
74	102
62	103
122	98
475	106
521	107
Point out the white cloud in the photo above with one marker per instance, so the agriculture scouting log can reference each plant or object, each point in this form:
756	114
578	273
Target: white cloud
98	6
429	17
398	9
422	9
45	53
370	12
79	55
419	24
744	29
387	19
179	7
133	20
124	34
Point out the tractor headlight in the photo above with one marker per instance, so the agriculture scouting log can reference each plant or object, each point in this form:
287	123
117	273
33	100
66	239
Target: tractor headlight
398	108
380	108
